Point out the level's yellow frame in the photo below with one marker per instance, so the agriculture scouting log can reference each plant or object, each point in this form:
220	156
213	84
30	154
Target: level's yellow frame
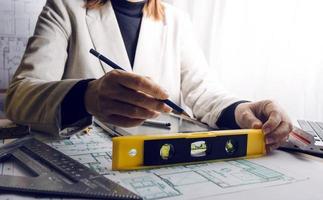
121	160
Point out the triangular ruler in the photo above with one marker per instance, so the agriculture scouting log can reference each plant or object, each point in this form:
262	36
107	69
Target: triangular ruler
54	173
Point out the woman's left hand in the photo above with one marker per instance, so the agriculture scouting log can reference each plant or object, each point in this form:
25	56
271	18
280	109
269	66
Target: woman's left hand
268	116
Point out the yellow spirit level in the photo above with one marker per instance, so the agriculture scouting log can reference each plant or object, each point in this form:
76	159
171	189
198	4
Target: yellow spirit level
148	151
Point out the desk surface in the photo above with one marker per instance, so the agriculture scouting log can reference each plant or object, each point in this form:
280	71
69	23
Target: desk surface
279	175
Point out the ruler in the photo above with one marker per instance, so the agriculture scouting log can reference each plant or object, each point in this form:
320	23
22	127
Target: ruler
55	174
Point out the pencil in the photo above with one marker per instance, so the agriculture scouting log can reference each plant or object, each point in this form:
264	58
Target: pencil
157	124
176	108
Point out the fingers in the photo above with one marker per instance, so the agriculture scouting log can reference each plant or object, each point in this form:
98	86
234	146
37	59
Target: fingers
280	133
276	124
251	120
274	120
246	119
277	127
140	99
138	83
125	99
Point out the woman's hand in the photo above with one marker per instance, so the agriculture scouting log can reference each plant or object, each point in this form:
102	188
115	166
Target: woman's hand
125	99
268	116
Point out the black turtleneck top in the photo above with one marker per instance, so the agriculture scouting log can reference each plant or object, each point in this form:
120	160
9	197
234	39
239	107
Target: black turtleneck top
129	16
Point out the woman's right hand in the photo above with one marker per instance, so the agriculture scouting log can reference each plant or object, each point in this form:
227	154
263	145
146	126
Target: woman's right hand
125	99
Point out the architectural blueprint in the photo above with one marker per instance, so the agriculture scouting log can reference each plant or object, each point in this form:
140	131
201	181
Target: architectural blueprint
181	182
2	99
17	22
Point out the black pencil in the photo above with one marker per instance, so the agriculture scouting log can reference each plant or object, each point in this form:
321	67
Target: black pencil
176	108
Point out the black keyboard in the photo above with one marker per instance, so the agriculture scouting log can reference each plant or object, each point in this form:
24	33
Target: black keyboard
314	128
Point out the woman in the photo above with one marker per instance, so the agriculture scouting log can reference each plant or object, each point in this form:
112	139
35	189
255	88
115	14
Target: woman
59	86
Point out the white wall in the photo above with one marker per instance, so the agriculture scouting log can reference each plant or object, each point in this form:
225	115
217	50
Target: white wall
261	48
265	49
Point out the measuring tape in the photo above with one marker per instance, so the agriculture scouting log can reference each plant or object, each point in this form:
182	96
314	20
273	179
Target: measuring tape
149	151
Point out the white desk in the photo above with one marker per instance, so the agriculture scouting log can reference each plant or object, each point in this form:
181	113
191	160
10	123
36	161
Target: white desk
277	176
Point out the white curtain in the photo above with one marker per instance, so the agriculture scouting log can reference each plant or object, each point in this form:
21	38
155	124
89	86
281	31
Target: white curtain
265	49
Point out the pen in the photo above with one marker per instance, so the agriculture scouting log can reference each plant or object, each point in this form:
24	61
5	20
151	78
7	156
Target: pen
176	108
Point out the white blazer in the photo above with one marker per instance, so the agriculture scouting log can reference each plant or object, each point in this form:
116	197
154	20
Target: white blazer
57	57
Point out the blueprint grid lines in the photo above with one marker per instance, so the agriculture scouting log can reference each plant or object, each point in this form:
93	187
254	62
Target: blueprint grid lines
94	150
18	19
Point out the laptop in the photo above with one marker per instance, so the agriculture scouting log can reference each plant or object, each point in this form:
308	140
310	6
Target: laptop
311	134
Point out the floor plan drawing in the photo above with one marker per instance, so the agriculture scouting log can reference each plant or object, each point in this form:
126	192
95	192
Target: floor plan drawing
12	49
18	19
94	150
2	100
223	177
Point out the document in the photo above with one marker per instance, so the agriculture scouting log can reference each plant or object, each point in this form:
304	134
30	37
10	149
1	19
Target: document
18	19
181	182
2	99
